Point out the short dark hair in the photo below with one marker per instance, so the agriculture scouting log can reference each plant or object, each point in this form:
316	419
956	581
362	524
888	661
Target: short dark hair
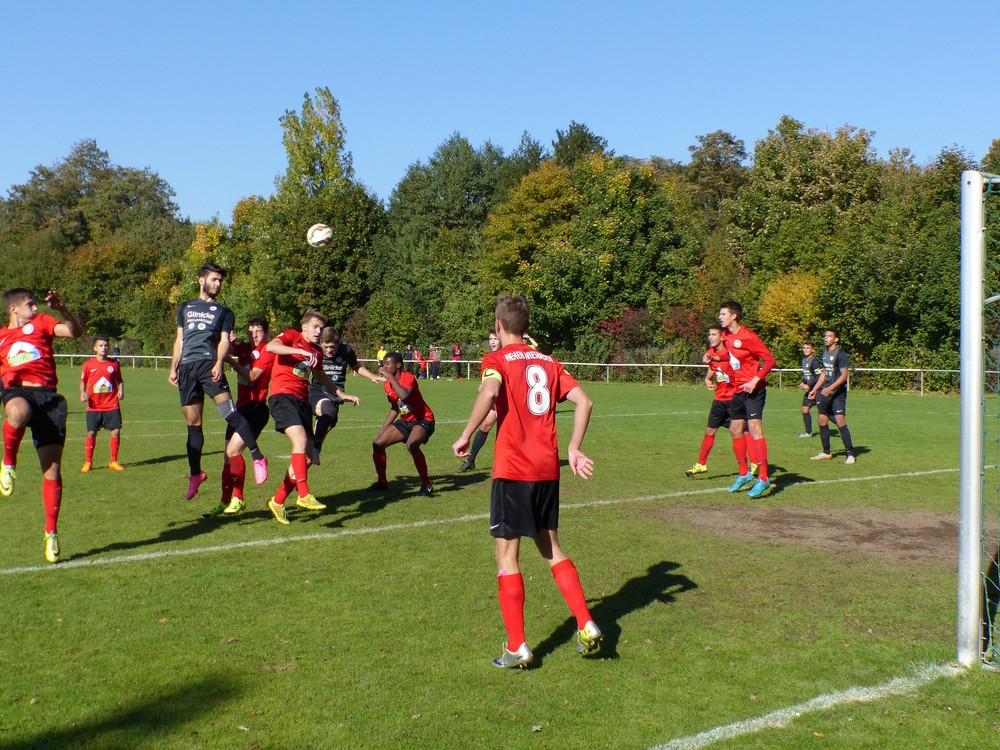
102	337
258	321
834	331
395	357
807	342
735	308
329	335
514	314
312	314
716	327
16	296
208	268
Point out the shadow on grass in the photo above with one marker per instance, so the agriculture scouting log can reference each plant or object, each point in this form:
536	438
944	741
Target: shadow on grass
176	457
175	532
144	724
658	584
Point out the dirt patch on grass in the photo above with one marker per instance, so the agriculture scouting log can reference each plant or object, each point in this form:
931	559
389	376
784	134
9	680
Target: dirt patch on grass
899	535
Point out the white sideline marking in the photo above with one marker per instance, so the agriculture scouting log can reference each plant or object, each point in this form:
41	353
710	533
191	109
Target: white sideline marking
122	559
783	716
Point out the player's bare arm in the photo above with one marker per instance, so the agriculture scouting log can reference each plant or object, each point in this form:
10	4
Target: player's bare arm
580	464
71	328
362	370
276	347
488	392
390	376
175	356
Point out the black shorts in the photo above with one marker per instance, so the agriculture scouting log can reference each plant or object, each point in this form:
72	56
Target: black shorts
520	508
806	401
48	414
109	420
317	393
256	414
289	411
719	415
747	405
834	404
194	380
407	427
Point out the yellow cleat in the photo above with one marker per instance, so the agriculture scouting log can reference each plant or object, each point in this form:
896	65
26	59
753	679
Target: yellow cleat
51	547
7	478
236	505
309	502
115	466
696	469
278	511
85	468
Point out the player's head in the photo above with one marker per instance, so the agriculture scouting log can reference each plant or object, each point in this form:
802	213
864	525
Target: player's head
210	279
513	314
831	336
393	361
257	327
730	314
734	308
714	335
101	344
494	340
807	348
312	325
20	305
329	338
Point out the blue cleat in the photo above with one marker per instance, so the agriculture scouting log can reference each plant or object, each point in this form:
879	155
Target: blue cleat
742	480
762	486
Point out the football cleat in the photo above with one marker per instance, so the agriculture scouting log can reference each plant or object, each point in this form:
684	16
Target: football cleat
822	457
589	639
260	470
696	469
509	659
377	487
217	510
278	511
115	466
194	483
51	547
467	465
849	460
742	480
86	467
426	490
804	435
309	502
7	478
236	505
760	487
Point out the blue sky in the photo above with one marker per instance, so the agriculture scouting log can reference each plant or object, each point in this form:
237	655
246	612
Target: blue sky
194	90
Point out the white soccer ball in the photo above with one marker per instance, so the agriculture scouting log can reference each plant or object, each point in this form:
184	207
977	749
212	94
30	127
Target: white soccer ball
319	235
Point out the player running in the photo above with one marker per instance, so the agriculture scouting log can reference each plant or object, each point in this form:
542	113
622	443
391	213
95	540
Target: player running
525	386
28	374
102	390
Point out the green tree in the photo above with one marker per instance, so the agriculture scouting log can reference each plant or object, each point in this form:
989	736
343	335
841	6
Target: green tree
315	143
576	142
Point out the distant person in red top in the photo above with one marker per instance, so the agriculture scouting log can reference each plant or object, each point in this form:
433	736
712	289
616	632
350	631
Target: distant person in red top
101	389
491	419
526	385
28	374
409	419
718	378
251	361
750	361
456	356
298	357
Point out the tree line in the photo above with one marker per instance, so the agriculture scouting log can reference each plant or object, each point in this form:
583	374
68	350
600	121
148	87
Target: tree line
622	259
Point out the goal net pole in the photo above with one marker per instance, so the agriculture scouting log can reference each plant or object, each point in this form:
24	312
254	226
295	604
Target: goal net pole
970	512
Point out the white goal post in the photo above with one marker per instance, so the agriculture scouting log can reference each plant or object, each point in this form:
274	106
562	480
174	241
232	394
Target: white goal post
973	634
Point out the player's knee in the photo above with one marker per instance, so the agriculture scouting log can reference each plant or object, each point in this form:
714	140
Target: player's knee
227	409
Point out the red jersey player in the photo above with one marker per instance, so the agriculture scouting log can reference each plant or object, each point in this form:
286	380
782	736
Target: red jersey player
525	385
297	356
252	362
409	419
28	373
750	361
718	378
101	389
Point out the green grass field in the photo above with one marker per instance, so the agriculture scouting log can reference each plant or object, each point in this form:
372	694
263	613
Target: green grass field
373	623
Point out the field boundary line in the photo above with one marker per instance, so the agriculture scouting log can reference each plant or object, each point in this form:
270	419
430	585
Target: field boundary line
784	716
122	559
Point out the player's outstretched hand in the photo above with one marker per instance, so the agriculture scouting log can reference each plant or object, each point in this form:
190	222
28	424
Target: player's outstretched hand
581	465
353	399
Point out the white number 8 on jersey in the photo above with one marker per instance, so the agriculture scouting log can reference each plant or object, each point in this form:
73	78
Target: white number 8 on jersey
539	397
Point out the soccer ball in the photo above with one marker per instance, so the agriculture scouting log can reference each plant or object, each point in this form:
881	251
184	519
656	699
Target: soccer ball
319	235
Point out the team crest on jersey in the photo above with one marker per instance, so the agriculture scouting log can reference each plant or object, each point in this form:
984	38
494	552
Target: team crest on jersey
737	343
22	352
29	328
110	369
255	354
103	386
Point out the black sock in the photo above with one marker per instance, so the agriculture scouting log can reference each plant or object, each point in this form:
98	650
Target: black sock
845	435
195	444
807	420
323	426
824	435
245	431
477	443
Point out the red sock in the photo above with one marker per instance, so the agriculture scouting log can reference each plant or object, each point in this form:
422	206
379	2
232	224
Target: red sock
510	594
114	443
287	485
706	447
227	482
568	581
420	461
761	450
11	443
380	460
301	468
238	468
88	448
740	449
51	498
